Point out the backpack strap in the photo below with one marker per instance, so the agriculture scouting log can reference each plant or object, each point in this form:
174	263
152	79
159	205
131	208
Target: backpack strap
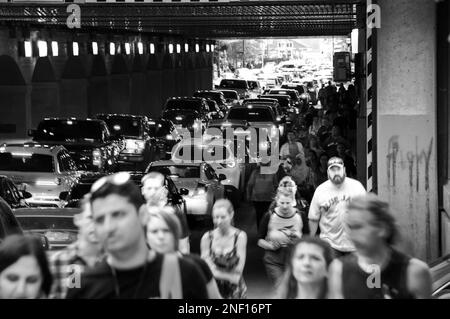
170	286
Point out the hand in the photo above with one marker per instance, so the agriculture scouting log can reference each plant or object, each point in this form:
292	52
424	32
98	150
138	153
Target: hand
275	245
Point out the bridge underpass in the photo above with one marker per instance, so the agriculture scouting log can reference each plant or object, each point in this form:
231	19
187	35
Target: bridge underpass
397	146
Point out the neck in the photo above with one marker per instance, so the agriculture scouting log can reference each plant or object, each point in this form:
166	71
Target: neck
224	232
308	290
88	251
379	256
130	258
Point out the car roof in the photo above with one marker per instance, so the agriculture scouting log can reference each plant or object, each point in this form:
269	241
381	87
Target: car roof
189	98
46	211
107	115
32	148
60	119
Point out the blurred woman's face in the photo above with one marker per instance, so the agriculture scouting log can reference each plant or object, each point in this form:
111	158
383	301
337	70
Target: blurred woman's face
309	264
159	236
285	203
21	280
221	218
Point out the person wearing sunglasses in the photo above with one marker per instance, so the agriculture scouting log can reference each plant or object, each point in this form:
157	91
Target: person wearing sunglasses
130	270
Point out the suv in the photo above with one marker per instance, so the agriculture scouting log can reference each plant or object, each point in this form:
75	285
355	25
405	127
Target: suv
138	148
43	170
10	193
185	111
240	86
217	96
88	141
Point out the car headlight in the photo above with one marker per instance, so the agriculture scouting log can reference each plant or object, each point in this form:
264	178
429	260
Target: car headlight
169	137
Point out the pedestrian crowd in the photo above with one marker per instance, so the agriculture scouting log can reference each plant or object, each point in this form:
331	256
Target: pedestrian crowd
322	234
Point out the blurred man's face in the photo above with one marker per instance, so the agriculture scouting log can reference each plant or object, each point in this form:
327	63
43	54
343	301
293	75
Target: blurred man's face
154	191
336	174
363	231
118	225
340	149
291	137
86	226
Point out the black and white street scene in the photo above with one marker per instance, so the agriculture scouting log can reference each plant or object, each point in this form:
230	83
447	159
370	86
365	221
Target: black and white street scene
224	149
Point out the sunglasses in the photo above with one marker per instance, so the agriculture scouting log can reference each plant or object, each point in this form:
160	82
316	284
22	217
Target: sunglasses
115	179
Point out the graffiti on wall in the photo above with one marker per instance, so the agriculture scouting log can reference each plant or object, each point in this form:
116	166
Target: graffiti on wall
416	162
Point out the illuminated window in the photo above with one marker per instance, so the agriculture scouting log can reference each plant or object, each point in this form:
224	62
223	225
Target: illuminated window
42	47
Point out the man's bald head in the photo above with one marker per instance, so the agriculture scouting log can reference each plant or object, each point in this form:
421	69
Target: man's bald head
153	189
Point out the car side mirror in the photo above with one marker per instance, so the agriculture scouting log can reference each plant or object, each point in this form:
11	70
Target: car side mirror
31	132
184	191
44	241
222	177
26	194
63	195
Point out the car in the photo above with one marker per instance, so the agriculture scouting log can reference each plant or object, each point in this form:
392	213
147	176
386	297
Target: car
284	101
88	141
258	116
238	85
217	96
56	224
268	101
42	170
293	94
214	110
231	97
138	148
201	181
225	163
185	112
9	224
440	275
164	137
294	86
10	193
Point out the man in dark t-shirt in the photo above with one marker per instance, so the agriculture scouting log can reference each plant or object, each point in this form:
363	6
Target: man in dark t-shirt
130	269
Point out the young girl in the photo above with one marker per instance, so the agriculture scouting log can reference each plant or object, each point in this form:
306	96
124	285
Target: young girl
280	227
306	274
225	250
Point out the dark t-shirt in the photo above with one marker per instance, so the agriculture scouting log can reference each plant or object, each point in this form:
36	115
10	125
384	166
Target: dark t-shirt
206	271
99	282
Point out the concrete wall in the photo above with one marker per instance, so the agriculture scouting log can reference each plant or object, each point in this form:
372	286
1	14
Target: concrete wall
33	88
406	120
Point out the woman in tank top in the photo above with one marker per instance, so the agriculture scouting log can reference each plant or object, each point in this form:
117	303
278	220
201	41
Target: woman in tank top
225	250
376	270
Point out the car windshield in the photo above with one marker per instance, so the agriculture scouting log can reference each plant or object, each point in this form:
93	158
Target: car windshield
67	130
79	190
211	106
208	153
26	162
124	126
208	95
30	223
230	95
180	171
237	84
250	114
252	84
291	94
159	128
183	105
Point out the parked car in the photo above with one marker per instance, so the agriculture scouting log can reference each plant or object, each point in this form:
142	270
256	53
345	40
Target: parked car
56	224
138	148
201	182
10	193
238	85
162	132
88	141
42	170
185	112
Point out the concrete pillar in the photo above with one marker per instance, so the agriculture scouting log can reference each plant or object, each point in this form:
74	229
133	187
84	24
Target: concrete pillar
98	95
45	101
138	79
14	112
74	98
406	120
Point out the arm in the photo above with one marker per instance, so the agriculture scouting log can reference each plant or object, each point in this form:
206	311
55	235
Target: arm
268	245
241	250
335	280
313	226
213	290
184	246
204	250
314	214
251	184
419	279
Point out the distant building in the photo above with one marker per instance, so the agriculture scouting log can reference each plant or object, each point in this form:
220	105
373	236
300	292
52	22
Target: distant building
285	49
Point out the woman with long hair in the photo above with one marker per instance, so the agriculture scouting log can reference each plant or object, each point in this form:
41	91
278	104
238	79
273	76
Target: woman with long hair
306	275
225	251
24	270
163	236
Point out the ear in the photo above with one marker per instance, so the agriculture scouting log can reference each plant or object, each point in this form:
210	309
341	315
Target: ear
143	215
